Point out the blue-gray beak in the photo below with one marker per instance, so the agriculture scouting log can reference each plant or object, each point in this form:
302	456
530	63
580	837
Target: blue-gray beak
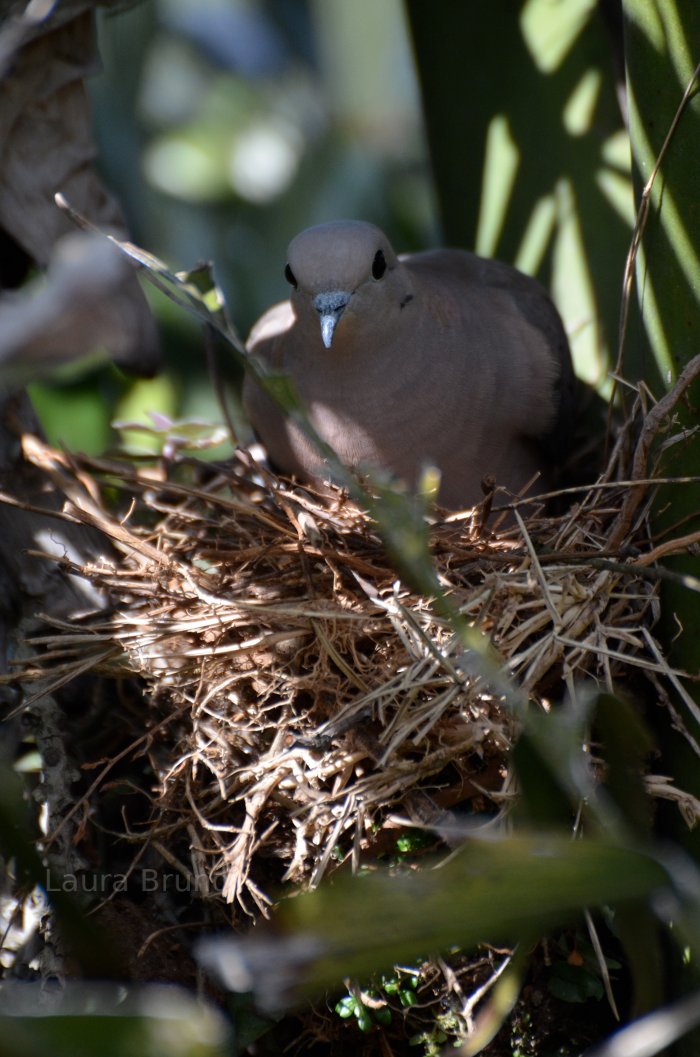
330	306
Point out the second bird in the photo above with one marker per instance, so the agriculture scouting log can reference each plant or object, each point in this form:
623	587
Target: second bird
442	358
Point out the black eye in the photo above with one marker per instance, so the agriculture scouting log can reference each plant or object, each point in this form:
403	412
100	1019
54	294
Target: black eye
378	265
290	276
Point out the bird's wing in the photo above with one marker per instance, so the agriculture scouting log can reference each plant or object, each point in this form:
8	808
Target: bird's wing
534	303
533	353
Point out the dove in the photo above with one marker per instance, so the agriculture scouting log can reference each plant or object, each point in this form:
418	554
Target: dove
440	358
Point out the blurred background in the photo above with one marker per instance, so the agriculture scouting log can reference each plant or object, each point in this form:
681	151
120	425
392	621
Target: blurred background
226	126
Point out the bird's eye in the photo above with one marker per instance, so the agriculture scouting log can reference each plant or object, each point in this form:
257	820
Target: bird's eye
378	265
290	276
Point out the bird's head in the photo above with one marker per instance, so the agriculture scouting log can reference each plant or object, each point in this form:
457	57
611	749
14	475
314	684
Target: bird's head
344	276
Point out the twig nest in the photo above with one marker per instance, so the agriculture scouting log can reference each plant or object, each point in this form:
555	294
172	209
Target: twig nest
306	701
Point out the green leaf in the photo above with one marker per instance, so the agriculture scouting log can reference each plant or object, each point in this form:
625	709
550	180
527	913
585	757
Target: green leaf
89	1018
549	211
202	285
625	743
488	891
552	766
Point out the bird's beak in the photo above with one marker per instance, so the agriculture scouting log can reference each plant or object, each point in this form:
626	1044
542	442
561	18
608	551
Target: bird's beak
330	306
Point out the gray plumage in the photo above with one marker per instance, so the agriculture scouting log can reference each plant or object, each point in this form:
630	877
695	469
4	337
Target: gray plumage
440	357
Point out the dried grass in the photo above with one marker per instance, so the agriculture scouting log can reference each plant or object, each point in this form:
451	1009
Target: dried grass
303	698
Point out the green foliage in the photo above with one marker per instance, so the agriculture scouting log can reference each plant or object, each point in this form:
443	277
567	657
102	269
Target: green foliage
86	1019
529	150
495	889
413	842
372	1006
662	53
662	61
431	1041
74	415
661	57
529	155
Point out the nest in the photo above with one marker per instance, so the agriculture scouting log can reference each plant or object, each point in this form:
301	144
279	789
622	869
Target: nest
303	701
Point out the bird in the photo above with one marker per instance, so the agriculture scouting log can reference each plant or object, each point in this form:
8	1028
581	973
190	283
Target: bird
438	358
